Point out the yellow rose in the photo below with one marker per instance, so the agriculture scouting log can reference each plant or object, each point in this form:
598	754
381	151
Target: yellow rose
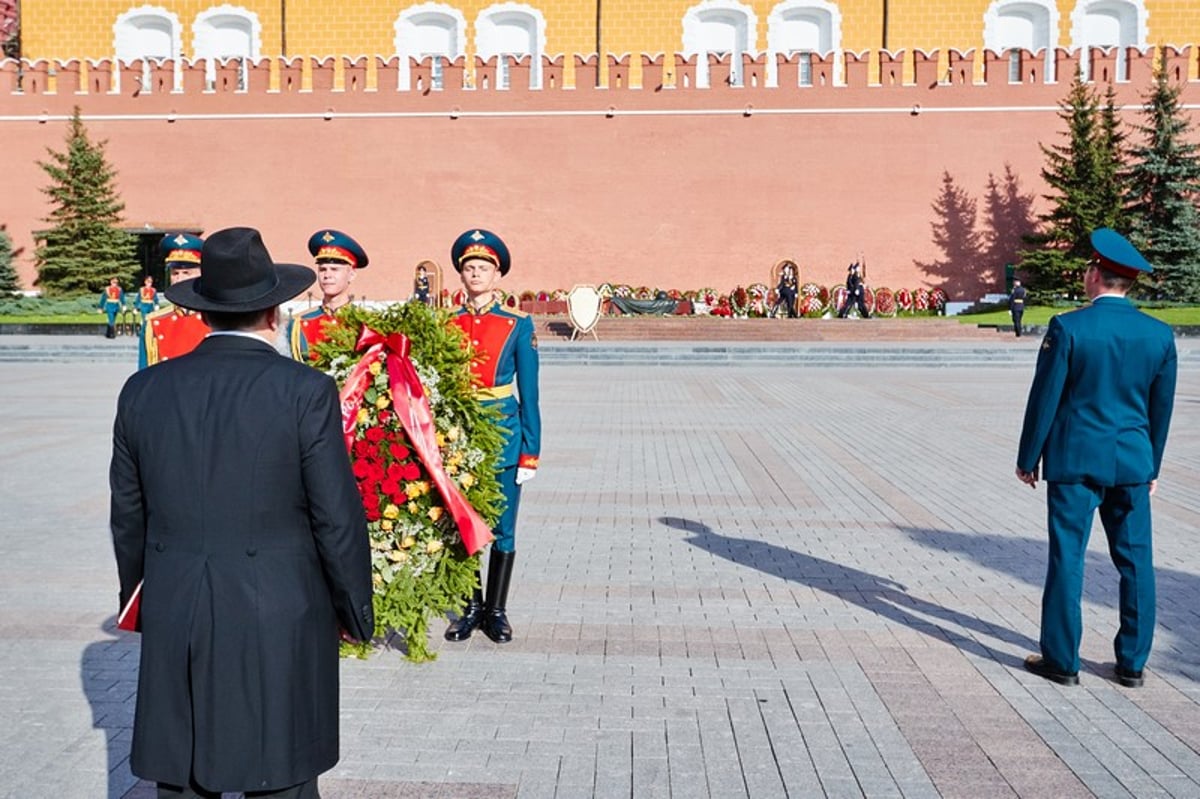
413	507
435	513
412	490
395	555
382	401
453	433
375	368
441	440
424	484
386	525
408	543
467	480
377	579
401	557
391	512
364	416
433	547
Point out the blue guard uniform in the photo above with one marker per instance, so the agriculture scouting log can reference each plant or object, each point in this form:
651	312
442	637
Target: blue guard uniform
112	299
147	301
172	331
504	360
308	328
1096	420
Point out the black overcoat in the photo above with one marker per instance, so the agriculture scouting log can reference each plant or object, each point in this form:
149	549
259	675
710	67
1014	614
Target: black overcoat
232	495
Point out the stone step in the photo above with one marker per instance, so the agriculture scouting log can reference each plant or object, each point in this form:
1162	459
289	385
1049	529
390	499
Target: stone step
689	328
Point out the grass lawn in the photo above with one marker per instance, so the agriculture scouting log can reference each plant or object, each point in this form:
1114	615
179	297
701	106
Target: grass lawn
55	319
1040	315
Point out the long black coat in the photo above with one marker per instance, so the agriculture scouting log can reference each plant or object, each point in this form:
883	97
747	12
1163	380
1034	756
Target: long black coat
232	496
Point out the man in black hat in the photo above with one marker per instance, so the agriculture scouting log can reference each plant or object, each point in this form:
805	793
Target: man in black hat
248	574
1016	305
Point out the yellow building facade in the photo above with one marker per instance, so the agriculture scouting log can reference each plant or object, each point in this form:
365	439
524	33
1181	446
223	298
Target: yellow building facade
95	29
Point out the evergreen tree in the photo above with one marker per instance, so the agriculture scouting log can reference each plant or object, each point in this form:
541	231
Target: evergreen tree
9	284
1164	186
1082	174
84	246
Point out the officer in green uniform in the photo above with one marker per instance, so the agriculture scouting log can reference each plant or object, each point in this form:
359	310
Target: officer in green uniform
1096	422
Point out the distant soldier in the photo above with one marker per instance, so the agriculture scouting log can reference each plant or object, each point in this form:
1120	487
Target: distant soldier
173	331
855	293
787	289
338	258
147	299
421	286
1016	305
112	300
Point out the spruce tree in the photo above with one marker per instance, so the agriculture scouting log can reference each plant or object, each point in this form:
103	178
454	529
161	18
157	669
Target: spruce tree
1164	186
9	284
84	246
1082	174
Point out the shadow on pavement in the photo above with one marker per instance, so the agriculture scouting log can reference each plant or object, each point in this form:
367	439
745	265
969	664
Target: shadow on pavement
879	595
108	672
1177	638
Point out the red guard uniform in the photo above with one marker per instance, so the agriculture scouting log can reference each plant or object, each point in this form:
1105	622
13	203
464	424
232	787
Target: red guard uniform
171	332
308	329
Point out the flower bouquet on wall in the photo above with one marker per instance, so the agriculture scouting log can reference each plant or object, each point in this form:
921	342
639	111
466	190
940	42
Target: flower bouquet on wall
885	302
424	452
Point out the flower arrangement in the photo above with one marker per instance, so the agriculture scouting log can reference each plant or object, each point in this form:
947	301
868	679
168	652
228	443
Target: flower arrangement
739	302
528	296
921	299
415	503
810	306
622	291
885	302
724	307
644	293
759	296
559	295
937	299
904	300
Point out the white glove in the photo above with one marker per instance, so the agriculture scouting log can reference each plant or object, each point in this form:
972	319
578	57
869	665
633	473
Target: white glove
524	475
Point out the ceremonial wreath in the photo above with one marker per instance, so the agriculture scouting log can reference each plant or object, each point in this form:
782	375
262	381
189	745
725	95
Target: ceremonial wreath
424	452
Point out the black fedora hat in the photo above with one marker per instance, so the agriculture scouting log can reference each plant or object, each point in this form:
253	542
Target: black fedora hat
238	275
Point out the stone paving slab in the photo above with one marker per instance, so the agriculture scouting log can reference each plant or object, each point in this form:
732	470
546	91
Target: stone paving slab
754	582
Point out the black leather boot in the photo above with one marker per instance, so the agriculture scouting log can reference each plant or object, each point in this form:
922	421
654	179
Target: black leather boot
495	623
471	616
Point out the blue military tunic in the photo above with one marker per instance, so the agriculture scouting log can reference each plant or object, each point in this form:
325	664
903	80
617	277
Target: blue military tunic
504	361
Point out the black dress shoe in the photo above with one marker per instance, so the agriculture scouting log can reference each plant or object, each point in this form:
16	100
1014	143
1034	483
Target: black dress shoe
1128	677
1034	664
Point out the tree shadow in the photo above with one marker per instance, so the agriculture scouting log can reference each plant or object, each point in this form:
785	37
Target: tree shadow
959	270
108	672
879	595
1177	637
1008	218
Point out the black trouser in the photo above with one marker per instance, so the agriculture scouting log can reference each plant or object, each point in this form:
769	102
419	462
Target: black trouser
1017	313
862	307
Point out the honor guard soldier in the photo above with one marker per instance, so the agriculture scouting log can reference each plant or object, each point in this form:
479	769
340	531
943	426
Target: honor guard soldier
504	362
147	299
173	331
338	258
421	286
112	299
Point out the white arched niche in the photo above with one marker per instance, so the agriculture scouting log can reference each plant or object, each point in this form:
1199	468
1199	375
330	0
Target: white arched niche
150	33
1016	25
223	32
1108	23
724	27
805	27
430	29
512	29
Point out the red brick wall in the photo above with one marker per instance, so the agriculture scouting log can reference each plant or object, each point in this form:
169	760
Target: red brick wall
672	188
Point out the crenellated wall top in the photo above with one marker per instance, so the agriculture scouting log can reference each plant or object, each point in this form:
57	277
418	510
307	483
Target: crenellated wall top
771	74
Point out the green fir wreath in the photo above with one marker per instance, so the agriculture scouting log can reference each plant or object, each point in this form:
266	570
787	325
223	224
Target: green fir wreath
421	569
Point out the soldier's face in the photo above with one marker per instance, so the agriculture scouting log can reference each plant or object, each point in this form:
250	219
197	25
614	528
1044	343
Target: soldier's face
479	276
182	273
334	277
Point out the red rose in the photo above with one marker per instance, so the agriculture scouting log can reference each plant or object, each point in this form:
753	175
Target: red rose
375	472
361	469
395	471
399	451
385	416
362	448
374	435
389	488
411	471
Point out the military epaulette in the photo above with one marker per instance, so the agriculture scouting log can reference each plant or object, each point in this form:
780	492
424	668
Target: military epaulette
160	312
517	312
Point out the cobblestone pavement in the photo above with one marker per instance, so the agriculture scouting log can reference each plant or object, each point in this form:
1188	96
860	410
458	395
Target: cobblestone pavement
730	582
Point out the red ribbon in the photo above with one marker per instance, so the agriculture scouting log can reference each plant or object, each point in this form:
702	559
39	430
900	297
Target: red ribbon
412	408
